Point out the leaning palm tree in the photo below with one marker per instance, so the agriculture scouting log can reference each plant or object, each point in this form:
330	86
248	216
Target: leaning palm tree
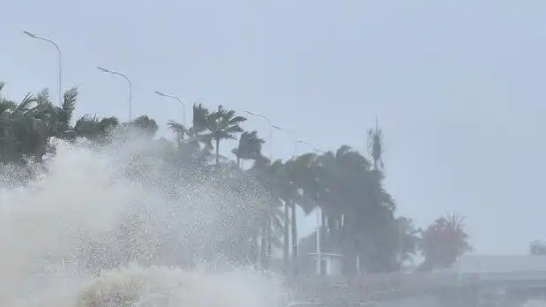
249	148
94	129
65	113
145	124
193	142
179	130
27	126
223	125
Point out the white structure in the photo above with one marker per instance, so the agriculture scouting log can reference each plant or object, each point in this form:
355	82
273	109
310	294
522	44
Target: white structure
330	263
537	247
515	268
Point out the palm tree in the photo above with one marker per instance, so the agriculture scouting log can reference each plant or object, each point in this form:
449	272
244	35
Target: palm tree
286	180
223	125
249	148
27	126
66	111
301	172
357	213
444	241
145	124
95	129
179	130
194	143
408	239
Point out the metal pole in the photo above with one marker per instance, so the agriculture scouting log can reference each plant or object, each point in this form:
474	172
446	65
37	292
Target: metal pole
128	82
179	100
319	260
295	153
311	145
401	260
60	67
271	125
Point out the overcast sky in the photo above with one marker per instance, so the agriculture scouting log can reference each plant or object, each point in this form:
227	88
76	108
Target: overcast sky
457	86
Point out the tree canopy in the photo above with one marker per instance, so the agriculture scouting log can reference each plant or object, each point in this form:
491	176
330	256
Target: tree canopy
357	212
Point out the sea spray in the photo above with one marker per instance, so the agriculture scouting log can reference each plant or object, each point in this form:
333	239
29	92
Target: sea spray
91	210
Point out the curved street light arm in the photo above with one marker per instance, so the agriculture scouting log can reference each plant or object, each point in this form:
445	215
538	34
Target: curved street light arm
179	100
128	83
59	55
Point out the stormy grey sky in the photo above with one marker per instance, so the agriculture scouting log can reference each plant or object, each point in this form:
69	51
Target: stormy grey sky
457	85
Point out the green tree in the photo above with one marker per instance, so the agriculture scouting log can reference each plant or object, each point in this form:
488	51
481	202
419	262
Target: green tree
444	241
145	124
222	125
27	127
408	239
249	148
357	213
194	143
94	129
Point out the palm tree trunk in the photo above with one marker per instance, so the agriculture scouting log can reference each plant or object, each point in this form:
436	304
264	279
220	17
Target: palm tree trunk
294	227
286	243
217	151
254	249
263	256
269	241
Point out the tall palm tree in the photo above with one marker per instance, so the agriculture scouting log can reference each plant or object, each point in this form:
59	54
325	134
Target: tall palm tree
145	124
356	210
286	182
223	125
194	142
66	112
301	172
249	148
408	239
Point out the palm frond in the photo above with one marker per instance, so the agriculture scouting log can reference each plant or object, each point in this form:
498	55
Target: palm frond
69	102
179	129
6	105
43	96
236	120
25	103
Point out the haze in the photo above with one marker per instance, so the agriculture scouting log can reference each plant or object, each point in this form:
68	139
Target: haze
457	86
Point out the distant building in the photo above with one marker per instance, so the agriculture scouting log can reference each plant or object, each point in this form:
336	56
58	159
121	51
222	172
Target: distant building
331	264
524	267
537	247
331	261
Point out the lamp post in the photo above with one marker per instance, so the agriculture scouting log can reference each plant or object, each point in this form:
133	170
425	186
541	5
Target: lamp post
59	55
271	126
179	100
313	147
128	82
318	253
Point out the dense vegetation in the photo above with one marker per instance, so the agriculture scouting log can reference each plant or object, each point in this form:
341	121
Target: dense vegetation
358	214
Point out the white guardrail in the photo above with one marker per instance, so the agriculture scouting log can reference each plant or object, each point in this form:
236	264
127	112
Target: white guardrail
330	289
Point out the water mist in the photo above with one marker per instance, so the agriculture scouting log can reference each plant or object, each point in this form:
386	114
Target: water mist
115	226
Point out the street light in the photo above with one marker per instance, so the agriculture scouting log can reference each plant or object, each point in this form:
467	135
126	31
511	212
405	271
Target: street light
128	82
59	81
319	209
179	100
271	125
313	147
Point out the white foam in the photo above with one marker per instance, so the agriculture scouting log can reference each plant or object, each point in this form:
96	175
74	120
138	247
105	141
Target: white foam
51	229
